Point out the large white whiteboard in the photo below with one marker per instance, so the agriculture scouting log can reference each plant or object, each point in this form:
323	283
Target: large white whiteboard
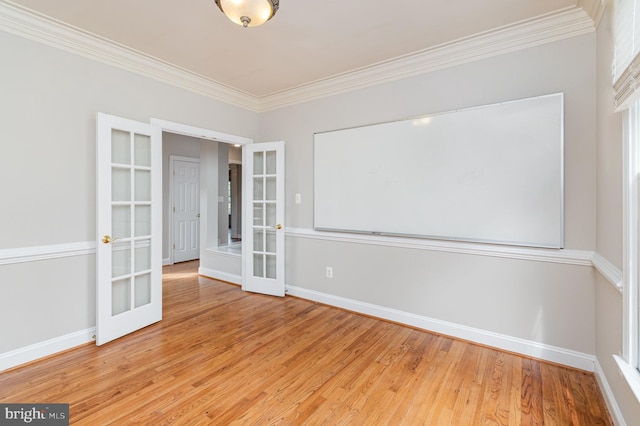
487	174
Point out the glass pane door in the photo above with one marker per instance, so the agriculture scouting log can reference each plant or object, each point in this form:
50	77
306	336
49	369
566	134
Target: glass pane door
264	214
131	221
129	250
266	190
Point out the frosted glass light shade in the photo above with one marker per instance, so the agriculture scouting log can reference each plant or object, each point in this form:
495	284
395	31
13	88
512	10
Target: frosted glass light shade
248	13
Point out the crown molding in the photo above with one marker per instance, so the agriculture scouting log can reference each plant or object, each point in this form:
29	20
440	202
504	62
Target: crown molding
625	88
594	8
26	23
546	29
564	24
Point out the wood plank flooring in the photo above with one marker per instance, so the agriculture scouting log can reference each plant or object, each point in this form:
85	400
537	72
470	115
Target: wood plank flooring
224	357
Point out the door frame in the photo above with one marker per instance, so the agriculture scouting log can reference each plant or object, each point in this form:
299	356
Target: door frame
202	133
172	159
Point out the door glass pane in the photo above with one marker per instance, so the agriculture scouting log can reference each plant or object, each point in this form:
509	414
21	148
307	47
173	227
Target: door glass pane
271	188
120	296
258	265
120	258
121	221
143	185
142	150
271	214
258	189
142	221
258	240
271	241
120	147
143	256
120	185
270	266
142	290
258	163
271	162
258	214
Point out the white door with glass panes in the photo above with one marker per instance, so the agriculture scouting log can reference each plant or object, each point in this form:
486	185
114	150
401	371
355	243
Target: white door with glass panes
129	227
263	234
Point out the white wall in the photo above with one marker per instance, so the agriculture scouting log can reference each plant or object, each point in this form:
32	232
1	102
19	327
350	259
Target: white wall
549	303
47	168
608	298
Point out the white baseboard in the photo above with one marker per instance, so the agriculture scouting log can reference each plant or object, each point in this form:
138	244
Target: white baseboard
48	347
222	276
507	343
609	399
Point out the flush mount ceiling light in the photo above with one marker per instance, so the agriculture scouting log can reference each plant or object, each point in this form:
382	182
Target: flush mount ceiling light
249	13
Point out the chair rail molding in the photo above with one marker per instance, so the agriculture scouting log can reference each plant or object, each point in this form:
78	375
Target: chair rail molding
54	251
565	256
608	270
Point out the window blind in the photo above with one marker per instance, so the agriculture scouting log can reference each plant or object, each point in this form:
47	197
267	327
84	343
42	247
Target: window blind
626	61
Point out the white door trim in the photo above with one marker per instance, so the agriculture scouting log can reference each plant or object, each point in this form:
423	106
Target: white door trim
198	132
172	160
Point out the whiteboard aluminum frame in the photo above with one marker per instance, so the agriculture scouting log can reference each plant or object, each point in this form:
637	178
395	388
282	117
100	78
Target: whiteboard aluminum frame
561	236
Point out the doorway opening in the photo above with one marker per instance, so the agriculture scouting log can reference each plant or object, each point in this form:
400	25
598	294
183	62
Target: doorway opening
214	232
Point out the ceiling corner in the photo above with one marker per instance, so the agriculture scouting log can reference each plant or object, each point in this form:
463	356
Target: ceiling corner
26	23
594	8
557	26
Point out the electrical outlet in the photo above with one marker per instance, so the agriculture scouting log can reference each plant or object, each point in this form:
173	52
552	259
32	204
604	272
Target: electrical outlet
329	272
298	198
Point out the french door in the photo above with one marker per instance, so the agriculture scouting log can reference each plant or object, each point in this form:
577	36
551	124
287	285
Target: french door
263	234
129	226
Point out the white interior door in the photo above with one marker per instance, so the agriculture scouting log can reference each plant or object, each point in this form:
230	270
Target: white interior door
186	209
129	225
263	235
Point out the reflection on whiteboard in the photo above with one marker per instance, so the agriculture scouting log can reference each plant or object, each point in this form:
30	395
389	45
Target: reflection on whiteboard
488	174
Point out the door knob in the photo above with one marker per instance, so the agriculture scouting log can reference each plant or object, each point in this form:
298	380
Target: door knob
107	239
278	226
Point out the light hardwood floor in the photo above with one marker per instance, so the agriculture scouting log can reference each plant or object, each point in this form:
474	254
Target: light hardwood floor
221	356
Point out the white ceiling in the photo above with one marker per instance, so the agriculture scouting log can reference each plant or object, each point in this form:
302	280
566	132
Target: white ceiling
305	42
